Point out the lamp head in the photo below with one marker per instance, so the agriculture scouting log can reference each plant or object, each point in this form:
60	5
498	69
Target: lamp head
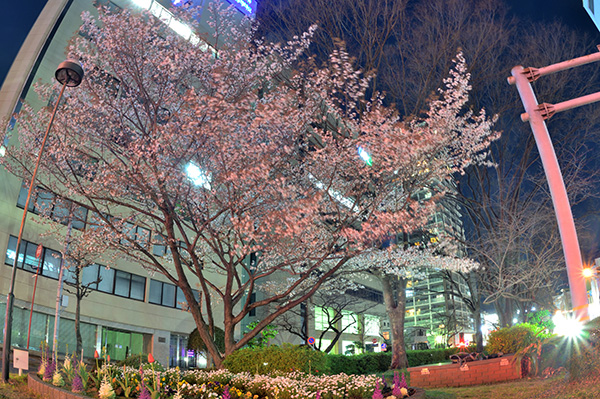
69	72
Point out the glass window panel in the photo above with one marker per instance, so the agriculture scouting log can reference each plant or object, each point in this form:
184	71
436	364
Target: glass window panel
70	272
94	221
349	322
322	318
23	197
108	280
51	264
371	325
122	280
89	275
180	299
155	292
159	248
61	212
10	251
43	202
168	298
138	287
129	231
79	216
143	236
31	263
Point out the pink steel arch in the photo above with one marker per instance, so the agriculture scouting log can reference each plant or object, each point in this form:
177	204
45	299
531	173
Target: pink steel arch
536	114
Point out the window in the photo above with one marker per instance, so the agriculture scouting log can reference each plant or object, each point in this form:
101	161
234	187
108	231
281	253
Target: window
107	283
371	325
43	202
89	276
138	287
367	293
137	234
113	281
159	247
166	294
349	322
322	318
122	283
324	344
155	294
348	348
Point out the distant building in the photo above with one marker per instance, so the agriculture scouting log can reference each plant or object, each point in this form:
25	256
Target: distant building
593	9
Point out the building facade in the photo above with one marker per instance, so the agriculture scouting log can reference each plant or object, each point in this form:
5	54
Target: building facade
128	311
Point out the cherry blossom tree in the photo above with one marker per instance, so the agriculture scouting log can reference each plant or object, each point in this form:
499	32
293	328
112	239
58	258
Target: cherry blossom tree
241	161
393	266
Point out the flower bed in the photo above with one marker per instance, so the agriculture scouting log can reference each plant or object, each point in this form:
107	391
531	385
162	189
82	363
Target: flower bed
151	382
128	382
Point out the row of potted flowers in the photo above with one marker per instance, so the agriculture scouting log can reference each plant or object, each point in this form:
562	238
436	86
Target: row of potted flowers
149	383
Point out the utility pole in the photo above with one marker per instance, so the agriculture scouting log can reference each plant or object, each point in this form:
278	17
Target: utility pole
536	114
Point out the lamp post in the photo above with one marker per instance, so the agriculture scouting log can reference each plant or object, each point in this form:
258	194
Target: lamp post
70	74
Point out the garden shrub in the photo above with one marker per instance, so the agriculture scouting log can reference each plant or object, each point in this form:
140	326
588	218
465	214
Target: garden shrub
430	356
274	358
366	363
512	339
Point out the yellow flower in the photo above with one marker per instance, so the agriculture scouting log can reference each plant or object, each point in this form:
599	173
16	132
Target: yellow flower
404	391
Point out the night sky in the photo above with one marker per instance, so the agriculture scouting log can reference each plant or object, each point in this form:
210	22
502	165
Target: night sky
18	17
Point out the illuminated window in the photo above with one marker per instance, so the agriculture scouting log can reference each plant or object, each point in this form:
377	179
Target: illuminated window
349	322
371	325
323	316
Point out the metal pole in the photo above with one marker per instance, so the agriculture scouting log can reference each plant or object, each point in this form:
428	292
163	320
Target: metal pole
562	207
69	73
11	296
60	284
33	300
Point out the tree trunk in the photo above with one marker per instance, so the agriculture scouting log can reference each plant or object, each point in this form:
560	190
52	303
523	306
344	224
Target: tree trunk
79	343
478	333
394	295
476	300
504	309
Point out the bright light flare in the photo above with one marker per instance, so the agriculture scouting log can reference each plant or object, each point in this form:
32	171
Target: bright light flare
567	326
365	156
588	272
197	175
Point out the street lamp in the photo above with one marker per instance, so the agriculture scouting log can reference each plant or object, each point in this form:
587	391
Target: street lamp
70	74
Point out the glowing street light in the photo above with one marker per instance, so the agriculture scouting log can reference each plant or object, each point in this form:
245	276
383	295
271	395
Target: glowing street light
70	74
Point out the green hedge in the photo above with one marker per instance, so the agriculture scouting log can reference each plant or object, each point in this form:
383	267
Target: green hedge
367	363
291	357
430	356
274	358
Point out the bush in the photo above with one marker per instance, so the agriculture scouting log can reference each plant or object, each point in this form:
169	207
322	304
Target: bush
369	363
430	356
512	339
274	358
